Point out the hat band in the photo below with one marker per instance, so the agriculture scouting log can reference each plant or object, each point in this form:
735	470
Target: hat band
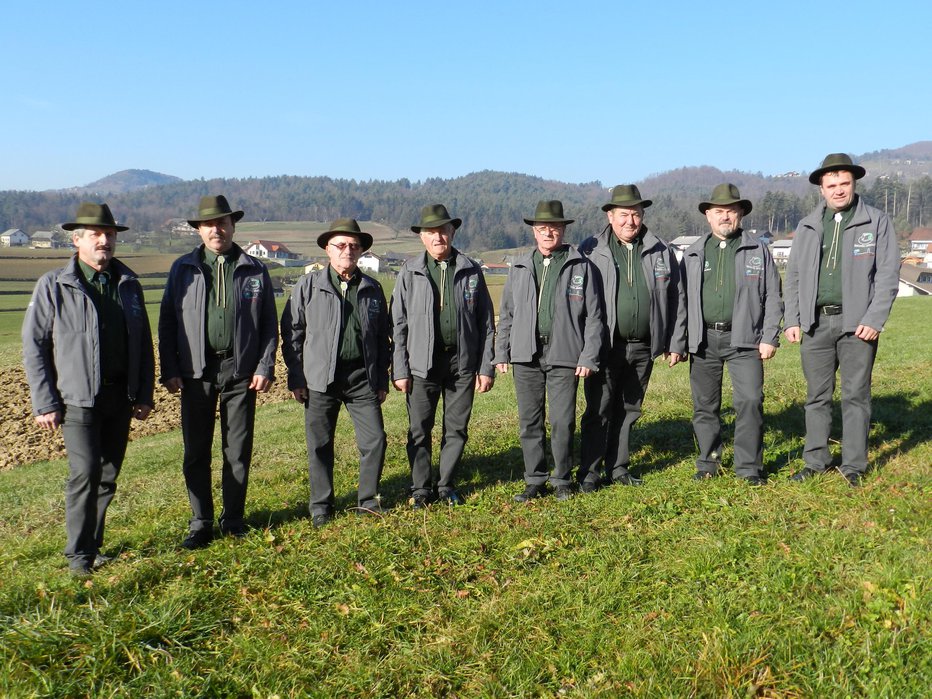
212	213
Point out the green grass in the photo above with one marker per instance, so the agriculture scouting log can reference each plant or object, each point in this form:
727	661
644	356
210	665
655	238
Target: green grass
674	589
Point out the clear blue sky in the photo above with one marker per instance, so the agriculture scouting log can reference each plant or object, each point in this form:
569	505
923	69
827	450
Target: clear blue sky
574	91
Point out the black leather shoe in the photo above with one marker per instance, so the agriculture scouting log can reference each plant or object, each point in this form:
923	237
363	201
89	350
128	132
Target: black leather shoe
322	519
370	508
198	540
420	500
855	480
755	480
627	479
804	475
235	532
703	476
81	571
531	492
588	487
452	498
100	560
564	492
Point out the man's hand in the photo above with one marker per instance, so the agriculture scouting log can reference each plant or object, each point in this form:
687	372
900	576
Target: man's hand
174	384
673	358
141	411
403	385
583	371
49	421
300	394
502	368
866	333
766	351
484	383
791	334
260	383
382	396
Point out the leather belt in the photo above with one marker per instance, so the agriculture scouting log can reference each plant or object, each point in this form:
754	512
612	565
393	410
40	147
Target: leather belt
721	327
830	310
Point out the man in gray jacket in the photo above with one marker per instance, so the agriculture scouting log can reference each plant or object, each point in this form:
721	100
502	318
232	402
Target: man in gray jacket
733	312
841	280
335	341
550	329
641	294
443	331
87	349
218	332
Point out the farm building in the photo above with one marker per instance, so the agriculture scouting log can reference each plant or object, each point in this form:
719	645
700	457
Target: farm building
13	238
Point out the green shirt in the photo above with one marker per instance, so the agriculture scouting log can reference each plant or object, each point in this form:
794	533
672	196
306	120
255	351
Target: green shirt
632	297
718	278
111	323
833	230
350	326
445	312
220	299
546	278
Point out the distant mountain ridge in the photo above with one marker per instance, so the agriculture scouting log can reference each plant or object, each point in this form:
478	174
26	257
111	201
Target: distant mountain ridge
126	181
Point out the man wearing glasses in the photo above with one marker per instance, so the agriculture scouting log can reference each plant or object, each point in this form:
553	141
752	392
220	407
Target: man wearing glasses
640	282
550	329
335	341
443	330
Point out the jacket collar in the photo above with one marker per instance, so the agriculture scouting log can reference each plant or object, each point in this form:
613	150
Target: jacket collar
747	241
861	216
418	263
320	280
648	239
69	273
527	258
193	258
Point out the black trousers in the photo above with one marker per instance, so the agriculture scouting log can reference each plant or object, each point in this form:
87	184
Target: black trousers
457	390
95	439
199	399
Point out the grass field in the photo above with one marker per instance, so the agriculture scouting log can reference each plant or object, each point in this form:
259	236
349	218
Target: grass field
675	589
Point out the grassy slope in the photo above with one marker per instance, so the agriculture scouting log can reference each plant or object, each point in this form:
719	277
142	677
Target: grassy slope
677	588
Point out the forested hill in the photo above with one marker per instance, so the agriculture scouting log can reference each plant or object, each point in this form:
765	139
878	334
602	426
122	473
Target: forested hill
491	204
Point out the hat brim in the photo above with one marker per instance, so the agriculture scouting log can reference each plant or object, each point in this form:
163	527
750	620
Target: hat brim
195	222
457	222
815	177
745	204
643	203
564	221
365	239
72	226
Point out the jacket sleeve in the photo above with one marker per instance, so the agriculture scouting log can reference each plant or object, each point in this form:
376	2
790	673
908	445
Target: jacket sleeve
773	302
886	276
37	350
168	329
146	389
676	308
680	337
791	285
268	330
595	321
486	323
293	329
384	340
506	312
399	318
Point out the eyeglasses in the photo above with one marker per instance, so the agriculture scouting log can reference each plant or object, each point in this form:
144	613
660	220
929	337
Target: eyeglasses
554	228
354	247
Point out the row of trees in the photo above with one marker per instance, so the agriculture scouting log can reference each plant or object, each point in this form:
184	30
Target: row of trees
492	204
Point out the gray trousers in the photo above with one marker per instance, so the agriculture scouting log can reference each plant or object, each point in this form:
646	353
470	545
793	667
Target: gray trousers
825	349
457	390
747	378
199	399
534	382
613	404
351	388
95	439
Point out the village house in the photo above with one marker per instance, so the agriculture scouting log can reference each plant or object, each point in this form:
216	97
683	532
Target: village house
680	243
370	262
920	240
914	281
270	250
43	239
780	249
495	268
13	238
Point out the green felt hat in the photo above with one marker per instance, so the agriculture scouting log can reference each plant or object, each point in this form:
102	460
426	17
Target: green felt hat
626	195
725	195
834	162
345	226
548	211
91	214
214	207
434	216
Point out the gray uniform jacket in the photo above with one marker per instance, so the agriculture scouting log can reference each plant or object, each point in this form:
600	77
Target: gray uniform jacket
61	343
413	326
311	332
183	319
870	269
576	335
662	274
758	307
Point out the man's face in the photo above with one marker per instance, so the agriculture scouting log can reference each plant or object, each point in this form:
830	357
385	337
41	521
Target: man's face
217	233
724	220
344	252
549	236
837	189
438	241
95	245
626	222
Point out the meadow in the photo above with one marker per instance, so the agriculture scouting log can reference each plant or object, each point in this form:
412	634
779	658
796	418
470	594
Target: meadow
677	588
